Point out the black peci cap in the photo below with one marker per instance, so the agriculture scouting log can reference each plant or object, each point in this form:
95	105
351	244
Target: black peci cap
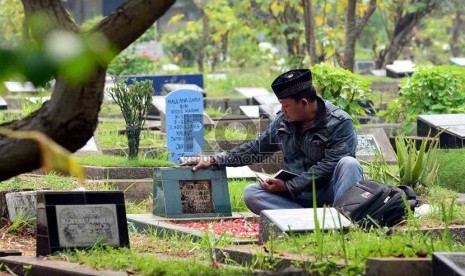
293	82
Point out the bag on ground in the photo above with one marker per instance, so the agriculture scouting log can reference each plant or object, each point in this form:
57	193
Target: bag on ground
371	203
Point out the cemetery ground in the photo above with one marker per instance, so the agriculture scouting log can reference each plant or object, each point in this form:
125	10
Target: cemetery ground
153	252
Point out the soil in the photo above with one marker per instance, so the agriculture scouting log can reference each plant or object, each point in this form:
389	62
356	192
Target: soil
237	228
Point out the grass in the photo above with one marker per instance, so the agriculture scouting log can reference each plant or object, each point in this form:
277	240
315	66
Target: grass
125	259
236	189
256	77
216	112
451	174
120	161
108	136
228	133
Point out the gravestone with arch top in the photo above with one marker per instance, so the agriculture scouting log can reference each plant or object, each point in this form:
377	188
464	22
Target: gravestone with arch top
184	123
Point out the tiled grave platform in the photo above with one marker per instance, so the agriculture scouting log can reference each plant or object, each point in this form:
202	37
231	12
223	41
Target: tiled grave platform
163	225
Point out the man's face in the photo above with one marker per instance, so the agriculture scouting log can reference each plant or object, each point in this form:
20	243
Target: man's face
293	110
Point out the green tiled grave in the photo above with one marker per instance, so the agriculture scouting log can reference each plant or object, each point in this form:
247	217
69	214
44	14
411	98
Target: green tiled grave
181	193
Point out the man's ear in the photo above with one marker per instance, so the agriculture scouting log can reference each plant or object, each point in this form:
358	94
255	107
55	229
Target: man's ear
304	101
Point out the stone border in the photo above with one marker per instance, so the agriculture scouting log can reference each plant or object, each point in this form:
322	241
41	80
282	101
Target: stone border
42	266
95	172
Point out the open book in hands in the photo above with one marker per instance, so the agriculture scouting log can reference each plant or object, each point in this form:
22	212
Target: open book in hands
281	174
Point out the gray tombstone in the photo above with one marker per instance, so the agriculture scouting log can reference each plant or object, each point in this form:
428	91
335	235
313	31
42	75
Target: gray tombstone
400	68
184	123
19	87
89	147
372	142
460	61
302	220
21	204
3	104
364	66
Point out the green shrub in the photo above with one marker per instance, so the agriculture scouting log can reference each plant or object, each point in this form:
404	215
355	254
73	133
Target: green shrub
133	101
451	174
430	90
341	87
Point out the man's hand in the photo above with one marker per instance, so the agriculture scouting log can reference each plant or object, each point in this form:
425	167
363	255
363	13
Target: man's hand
273	185
199	162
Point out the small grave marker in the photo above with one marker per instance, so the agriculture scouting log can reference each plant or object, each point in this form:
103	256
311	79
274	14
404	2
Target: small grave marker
79	220
184	123
374	141
89	147
302	220
179	192
21	204
251	111
269	105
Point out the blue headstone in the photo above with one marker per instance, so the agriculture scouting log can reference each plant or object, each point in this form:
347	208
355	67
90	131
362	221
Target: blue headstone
159	80
184	123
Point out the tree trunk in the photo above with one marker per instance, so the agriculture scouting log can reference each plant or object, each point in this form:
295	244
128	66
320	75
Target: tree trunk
70	117
400	36
309	30
353	31
455	50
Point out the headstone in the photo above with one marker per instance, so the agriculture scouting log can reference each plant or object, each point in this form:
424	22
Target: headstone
184	124
251	111
250	92
170	87
269	105
159	104
302	220
159	80
68	220
452	125
3	104
364	66
240	172
372	142
181	193
460	61
448	263
400	69
19	87
21	205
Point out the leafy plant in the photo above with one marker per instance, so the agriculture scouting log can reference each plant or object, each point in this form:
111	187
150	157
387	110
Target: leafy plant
342	87
27	107
430	90
21	223
133	100
417	168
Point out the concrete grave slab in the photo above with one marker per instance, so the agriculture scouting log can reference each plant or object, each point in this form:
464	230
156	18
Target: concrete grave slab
250	92
400	69
3	104
460	61
276	222
448	263
181	193
269	105
21	204
80	219
37	99
20	87
452	125
379	72
374	141
251	111
399	266
89	147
